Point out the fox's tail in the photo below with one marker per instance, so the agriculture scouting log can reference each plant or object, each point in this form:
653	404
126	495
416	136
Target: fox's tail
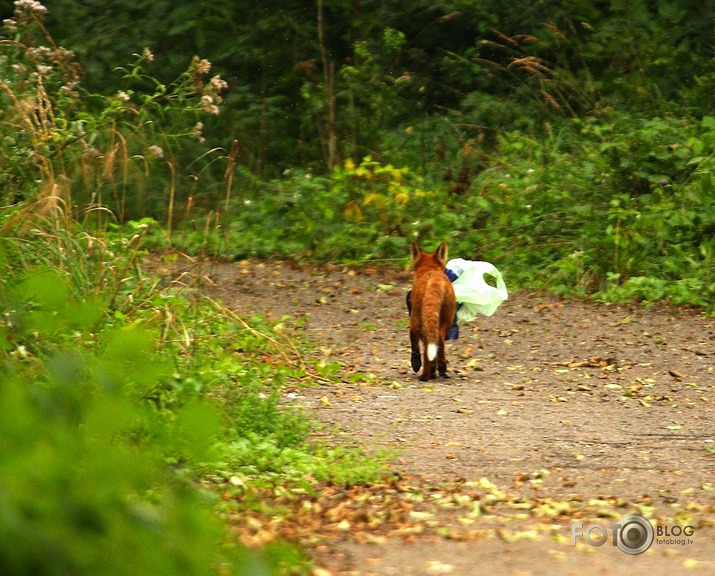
432	351
431	320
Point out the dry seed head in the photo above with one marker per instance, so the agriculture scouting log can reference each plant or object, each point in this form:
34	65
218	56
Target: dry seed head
505	38
155	151
530	64
207	102
218	84
550	99
30	6
201	65
198	131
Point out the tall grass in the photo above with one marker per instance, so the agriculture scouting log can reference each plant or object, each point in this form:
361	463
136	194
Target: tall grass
107	373
73	160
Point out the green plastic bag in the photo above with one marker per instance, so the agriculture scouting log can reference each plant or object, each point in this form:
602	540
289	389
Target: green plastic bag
473	292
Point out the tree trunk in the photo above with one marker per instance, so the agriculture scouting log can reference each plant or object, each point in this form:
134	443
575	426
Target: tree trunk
329	87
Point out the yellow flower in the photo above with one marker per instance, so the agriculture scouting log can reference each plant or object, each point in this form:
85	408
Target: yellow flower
349	164
402	198
352	211
377	200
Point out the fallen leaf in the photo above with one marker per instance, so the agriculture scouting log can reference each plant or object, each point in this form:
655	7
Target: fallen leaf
509	536
375	539
416	515
691	564
437	567
343	525
486	484
473	364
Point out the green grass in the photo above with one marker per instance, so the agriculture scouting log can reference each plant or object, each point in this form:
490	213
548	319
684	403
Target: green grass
119	405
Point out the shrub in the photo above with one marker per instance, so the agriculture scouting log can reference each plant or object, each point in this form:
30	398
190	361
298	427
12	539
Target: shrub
82	489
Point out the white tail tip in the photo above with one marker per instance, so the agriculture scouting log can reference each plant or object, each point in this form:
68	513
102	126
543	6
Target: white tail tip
431	351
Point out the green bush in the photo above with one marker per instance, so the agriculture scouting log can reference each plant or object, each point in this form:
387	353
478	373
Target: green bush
82	489
594	203
121	392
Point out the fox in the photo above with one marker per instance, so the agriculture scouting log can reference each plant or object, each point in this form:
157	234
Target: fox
433	307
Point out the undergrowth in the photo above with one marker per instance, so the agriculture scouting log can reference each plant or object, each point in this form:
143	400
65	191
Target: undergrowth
115	411
124	392
573	213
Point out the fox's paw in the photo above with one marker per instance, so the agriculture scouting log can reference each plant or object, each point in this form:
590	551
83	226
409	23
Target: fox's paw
416	361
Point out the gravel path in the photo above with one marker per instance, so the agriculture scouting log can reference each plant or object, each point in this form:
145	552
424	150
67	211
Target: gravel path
555	410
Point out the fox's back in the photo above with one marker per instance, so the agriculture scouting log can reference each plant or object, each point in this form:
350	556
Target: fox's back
432	290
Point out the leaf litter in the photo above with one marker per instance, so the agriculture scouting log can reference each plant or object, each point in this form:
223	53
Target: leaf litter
611	413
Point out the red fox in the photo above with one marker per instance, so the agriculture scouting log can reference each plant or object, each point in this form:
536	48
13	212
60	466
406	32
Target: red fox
433	307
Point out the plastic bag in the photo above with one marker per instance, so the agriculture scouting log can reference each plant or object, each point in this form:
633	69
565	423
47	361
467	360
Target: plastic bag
470	288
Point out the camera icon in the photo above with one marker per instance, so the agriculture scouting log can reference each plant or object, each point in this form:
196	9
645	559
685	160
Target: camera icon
634	534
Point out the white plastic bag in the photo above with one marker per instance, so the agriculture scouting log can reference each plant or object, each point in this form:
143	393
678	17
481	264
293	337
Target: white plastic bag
470	288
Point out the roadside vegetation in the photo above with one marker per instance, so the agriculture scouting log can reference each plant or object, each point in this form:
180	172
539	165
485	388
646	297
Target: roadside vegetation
142	409
137	410
569	143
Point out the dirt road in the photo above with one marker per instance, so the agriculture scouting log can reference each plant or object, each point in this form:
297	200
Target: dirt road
556	412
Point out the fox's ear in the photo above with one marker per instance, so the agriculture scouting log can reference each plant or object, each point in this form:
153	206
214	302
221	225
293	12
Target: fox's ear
415	251
441	253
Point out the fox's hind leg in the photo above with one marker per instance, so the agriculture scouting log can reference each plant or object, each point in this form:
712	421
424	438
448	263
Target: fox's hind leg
415	358
429	368
442	360
442	352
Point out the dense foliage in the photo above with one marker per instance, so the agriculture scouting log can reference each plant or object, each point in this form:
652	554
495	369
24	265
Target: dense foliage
567	141
122	392
114	410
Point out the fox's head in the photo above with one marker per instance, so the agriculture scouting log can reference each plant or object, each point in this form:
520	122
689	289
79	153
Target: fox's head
423	260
